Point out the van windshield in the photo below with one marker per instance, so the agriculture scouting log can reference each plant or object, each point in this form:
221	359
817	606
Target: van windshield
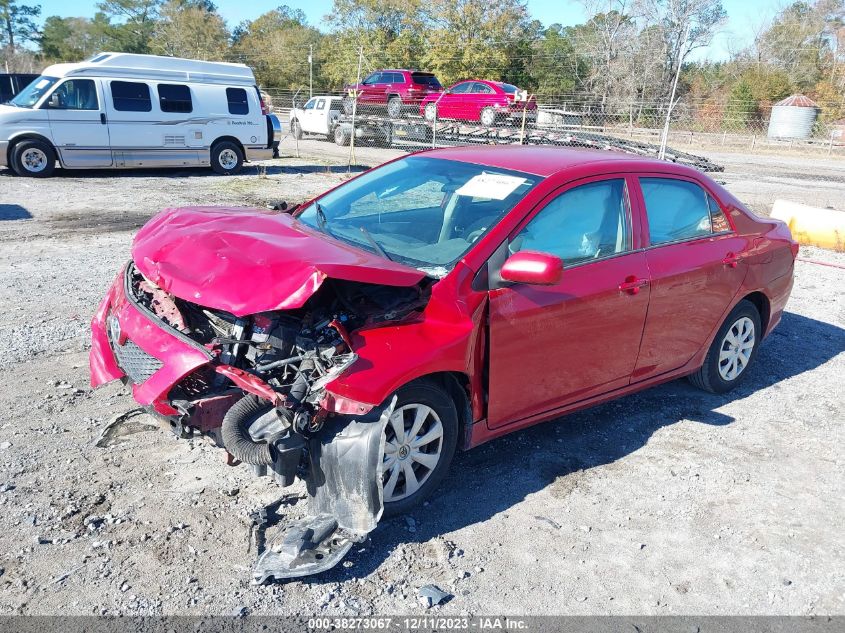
30	95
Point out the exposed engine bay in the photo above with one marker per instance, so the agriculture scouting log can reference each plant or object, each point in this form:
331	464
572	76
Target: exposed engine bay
260	395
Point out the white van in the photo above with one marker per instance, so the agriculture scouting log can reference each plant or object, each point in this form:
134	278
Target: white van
123	110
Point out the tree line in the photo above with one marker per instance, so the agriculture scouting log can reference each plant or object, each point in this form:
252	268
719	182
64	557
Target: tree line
623	60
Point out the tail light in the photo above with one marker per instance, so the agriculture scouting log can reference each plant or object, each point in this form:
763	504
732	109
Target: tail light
264	108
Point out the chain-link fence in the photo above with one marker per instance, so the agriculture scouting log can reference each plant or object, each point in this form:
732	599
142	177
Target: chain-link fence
449	118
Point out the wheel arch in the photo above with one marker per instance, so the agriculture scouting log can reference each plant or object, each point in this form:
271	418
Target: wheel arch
231	139
457	386
763	305
29	136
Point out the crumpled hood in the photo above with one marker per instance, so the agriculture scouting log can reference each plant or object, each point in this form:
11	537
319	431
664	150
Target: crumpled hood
246	261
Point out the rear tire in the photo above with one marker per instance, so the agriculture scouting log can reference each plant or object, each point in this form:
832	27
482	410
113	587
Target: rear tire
394	107
340	136
33	158
226	158
733	350
424	413
487	117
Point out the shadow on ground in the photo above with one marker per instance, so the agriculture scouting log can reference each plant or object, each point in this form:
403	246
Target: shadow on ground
252	169
585	440
13	212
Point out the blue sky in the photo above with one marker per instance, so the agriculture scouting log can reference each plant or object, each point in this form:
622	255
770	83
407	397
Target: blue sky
743	16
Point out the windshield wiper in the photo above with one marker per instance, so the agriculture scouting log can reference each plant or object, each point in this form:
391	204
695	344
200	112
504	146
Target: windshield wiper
321	218
375	244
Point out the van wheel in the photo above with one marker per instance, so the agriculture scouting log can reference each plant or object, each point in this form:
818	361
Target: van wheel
340	136
33	158
296	129
226	158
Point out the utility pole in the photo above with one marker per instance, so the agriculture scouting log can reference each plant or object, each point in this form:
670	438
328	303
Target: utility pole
310	70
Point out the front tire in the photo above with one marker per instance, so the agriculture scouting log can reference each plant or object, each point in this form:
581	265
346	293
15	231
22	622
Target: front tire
430	112
732	352
33	158
420	441
226	158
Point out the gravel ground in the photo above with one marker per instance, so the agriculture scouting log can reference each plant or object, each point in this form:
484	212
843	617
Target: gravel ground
671	501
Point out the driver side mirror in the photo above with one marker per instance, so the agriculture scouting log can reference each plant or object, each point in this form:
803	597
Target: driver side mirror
53	101
532	267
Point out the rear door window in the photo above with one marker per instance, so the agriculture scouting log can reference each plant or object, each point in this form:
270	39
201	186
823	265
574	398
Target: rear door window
175	98
130	96
677	210
238	103
480	88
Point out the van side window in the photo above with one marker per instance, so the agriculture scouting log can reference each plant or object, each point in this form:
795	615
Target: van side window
130	96
174	98
238	103
74	94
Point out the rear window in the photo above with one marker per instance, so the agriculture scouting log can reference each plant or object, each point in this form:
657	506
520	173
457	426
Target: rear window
130	96
426	79
509	88
238	103
174	98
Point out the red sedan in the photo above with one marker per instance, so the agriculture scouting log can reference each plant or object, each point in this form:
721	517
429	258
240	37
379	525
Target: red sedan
433	303
487	102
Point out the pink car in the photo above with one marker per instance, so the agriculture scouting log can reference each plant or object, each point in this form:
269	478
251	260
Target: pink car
434	303
487	102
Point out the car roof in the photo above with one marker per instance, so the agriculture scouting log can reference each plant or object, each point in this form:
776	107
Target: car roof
546	160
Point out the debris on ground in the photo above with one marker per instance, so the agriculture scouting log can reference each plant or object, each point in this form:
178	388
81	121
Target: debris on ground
432	595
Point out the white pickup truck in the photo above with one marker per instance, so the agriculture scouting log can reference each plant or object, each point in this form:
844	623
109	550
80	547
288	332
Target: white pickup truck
324	115
318	116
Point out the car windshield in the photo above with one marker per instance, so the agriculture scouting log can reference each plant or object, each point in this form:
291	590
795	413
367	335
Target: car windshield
30	95
425	79
422	211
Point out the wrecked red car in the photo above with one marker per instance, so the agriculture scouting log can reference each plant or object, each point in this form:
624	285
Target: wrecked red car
433	303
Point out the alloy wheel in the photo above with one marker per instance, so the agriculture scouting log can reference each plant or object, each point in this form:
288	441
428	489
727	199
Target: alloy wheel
413	447
737	346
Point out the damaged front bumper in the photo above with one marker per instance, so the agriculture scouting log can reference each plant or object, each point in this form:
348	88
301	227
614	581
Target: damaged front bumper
345	467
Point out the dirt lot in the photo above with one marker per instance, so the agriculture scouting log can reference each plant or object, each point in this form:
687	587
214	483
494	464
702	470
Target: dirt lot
671	501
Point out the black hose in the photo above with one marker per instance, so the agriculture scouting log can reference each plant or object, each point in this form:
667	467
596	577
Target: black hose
235	431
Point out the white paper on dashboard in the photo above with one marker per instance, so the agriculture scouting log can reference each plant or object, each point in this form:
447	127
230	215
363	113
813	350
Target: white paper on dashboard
493	186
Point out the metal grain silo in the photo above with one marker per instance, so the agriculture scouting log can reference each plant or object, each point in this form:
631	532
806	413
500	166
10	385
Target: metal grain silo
793	117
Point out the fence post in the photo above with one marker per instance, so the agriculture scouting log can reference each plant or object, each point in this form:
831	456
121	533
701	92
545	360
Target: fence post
355	109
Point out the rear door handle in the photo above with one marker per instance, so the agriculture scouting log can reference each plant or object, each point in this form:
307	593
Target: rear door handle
632	284
732	260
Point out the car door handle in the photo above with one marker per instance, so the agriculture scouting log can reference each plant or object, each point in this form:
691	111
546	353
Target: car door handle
732	260
103	118
632	284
